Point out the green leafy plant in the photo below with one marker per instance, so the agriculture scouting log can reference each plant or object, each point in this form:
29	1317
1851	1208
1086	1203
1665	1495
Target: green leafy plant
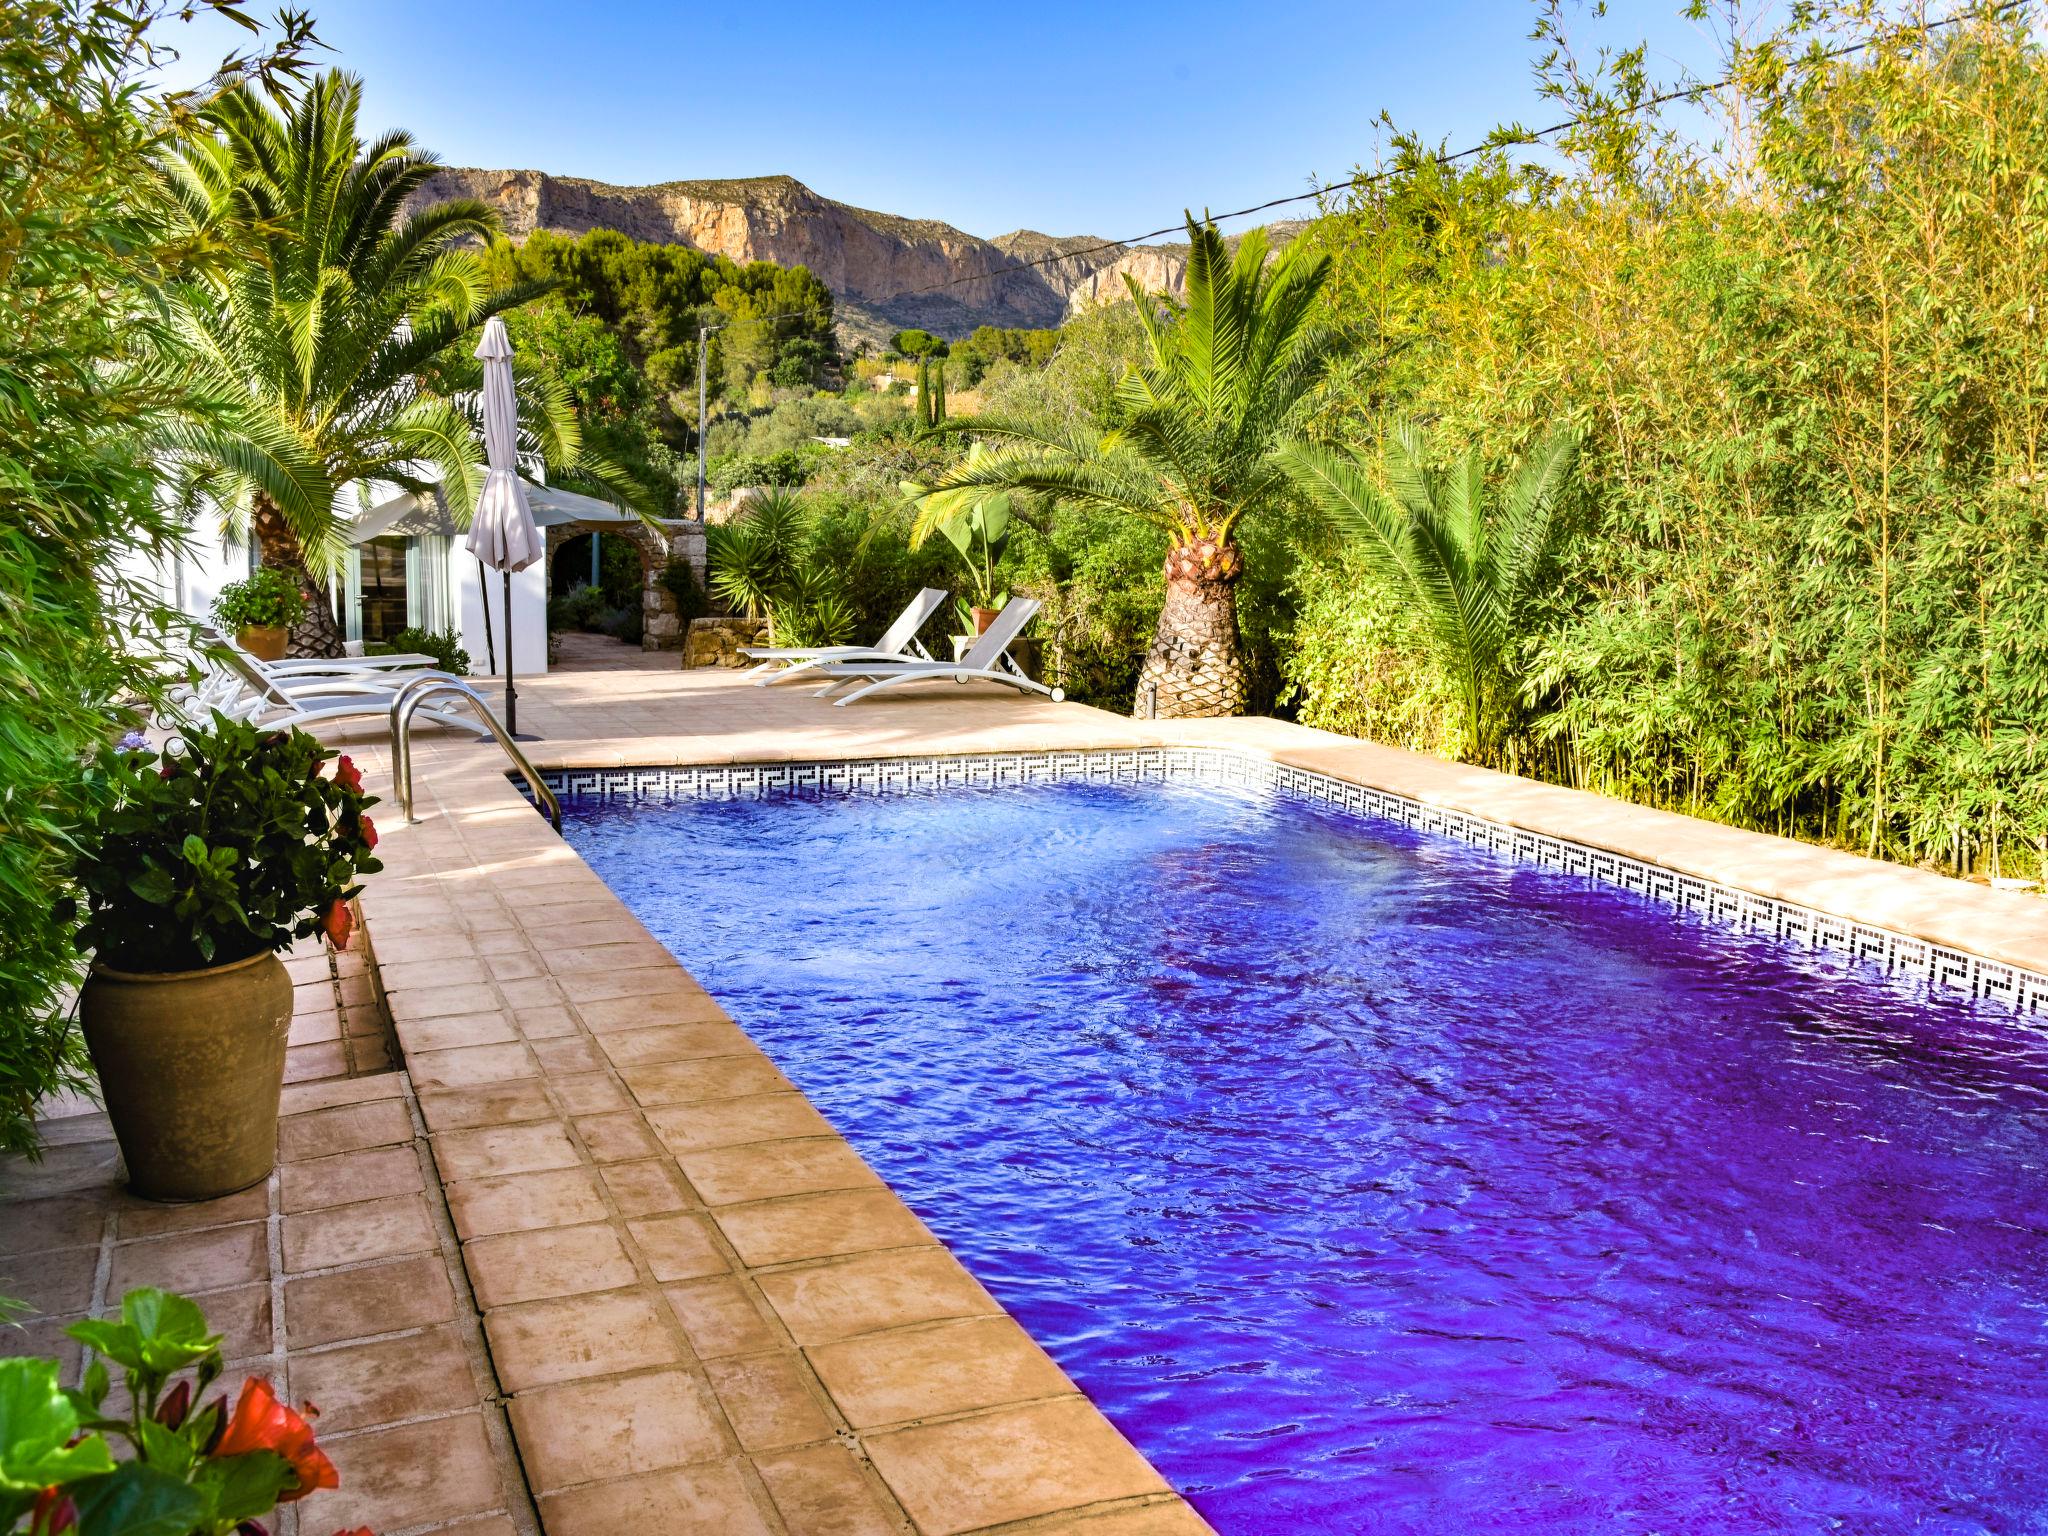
264	599
679	580
1470	572
930	409
754	557
193	1468
977	524
444	645
232	843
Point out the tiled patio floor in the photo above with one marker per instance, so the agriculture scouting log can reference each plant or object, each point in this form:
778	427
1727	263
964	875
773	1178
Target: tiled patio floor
589	1222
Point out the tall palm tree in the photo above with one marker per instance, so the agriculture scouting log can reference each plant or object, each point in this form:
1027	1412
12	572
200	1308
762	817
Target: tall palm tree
1469	572
1204	417
333	333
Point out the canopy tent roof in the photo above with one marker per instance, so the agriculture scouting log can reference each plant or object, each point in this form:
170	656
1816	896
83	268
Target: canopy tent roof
418	513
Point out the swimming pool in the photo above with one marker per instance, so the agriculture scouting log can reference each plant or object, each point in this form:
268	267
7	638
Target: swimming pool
1370	1182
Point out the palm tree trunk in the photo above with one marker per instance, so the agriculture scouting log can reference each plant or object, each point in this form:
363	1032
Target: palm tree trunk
316	634
1194	663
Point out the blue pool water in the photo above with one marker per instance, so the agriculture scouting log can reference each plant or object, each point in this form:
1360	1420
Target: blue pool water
1371	1183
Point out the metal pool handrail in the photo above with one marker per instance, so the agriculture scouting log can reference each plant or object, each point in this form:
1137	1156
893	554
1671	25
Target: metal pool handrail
406	704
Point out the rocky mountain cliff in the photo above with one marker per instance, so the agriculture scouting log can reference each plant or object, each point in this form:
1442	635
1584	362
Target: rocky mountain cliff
885	271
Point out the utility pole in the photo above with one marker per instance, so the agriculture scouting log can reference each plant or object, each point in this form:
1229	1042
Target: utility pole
703	349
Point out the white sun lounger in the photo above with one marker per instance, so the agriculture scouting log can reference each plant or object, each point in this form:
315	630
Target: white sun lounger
987	661
780	661
242	692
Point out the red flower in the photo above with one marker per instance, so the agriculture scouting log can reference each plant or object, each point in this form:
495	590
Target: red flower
175	1405
52	1512
369	832
261	1423
339	923
347	775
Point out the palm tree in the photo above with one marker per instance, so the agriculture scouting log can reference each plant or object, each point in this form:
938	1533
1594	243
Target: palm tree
1469	573
1204	418
333	334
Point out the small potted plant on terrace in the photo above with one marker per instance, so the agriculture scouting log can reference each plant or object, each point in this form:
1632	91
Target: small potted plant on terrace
193	1468
196	868
977	524
260	612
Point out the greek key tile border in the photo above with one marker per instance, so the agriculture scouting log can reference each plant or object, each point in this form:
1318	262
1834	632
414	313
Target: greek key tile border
1894	954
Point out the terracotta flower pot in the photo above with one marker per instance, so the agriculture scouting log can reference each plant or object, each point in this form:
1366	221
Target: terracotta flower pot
266	642
191	1064
983	617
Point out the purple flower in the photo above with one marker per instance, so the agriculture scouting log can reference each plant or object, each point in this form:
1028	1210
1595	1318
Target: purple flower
134	741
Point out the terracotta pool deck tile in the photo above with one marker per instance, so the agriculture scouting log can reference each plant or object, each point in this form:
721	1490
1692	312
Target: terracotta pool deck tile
349	1177
309	1063
58	1221
547	1262
636	955
604	1015
416	975
498	1104
410	1475
540	1343
1011	1464
529	1147
1167	1518
844	1298
583	1432
683	1501
567	1054
469	1066
644	981
678	1247
547	1023
404	940
764	1169
410	1376
51	1283
768	1402
242	1318
712	1077
719	1317
531	992
432	1002
619	1138
342	1091
145	1218
324	1132
313	1028
353	1234
378	1298
735	1122
645	1188
589	1093
819	1490
525	1202
456	1030
943	1368
673	1042
210	1260
819	1226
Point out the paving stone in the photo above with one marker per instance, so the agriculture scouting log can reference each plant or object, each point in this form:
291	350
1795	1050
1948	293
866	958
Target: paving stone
666	980
672	1042
763	1170
324	1132
847	1297
683	1501
305	1097
149	1218
356	1386
348	1177
767	1401
469	1066
819	1491
818	1226
410	1475
192	1261
645	1189
720	1317
1167	1518
459	1029
545	1023
507	1103
355	1303
915	1373
587	1431
523	1202
526	1148
734	1122
36	1226
554	1261
434	1002
713	1077
617	1138
630	1013
1010	1464
352	1234
678	1247
50	1283
540	1343
592	1093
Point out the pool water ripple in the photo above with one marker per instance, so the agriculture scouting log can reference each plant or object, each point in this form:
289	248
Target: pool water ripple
1372	1183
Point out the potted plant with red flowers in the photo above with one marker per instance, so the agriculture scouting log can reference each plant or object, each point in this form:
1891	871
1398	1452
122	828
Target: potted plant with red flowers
193	1468
196	867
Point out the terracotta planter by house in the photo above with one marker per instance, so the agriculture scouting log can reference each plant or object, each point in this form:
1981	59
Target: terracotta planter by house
191	1064
983	617
266	642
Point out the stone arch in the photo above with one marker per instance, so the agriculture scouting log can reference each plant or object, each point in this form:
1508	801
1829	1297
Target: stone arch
662	627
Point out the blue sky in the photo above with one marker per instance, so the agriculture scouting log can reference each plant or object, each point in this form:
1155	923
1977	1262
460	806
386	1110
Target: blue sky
1068	118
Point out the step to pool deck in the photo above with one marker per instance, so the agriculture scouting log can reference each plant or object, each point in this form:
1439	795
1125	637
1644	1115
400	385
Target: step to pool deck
589	1262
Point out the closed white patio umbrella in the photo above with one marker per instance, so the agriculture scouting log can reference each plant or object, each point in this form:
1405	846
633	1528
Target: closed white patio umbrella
502	535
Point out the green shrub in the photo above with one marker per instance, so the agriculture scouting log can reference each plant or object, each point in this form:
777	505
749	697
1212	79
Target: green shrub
265	599
679	579
444	645
580	610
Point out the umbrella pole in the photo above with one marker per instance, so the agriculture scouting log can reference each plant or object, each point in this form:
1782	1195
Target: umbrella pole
483	592
511	692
